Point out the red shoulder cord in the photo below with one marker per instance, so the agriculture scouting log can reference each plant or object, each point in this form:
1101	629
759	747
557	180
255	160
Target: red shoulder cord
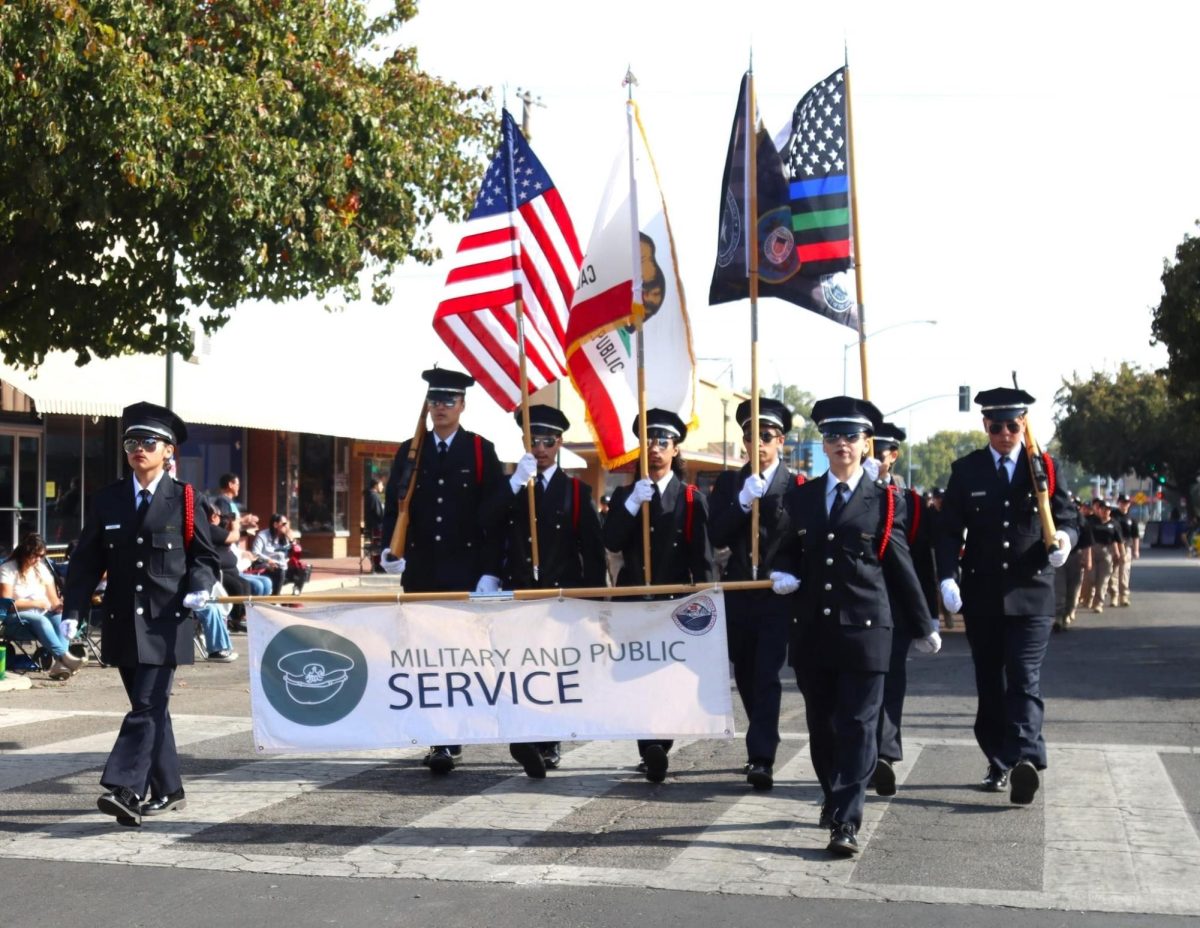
478	460
189	515
889	521
916	515
690	497
1050	476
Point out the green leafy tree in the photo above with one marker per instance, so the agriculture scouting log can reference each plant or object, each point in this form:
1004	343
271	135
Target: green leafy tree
156	157
1129	422
1176	319
800	402
931	459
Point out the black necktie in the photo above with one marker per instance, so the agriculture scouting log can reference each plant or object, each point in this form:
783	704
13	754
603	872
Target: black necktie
1002	471
143	505
443	450
539	488
839	502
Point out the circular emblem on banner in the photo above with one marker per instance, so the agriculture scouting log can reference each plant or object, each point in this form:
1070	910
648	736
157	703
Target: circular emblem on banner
312	676
696	616
837	295
779	258
730	233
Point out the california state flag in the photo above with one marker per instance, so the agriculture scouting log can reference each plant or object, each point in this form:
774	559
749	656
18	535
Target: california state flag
630	271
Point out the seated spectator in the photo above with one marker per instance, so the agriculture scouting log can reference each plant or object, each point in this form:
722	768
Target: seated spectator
26	580
271	549
228	487
225	539
216	634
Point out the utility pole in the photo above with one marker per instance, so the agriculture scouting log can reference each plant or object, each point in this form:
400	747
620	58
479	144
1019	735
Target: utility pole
528	100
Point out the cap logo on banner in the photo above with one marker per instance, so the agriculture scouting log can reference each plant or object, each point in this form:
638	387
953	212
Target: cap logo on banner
696	617
312	676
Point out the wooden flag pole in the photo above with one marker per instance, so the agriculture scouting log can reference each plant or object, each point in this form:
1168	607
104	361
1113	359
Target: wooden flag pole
591	592
411	463
639	319
857	237
752	270
533	530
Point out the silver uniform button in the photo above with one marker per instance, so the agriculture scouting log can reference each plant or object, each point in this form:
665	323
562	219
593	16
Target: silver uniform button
168	545
437	537
439	518
139	563
1005	565
1006	504
867	623
440	481
138	588
826	610
1006	544
140	610
828	562
829	537
1006	525
139	541
829	586
439	499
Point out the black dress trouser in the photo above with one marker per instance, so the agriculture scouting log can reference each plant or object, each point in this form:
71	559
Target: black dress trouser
144	757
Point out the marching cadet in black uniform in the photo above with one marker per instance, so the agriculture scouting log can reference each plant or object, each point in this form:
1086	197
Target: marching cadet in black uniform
759	620
151	537
447	547
911	519
1007	596
679	549
570	545
1132	545
849	556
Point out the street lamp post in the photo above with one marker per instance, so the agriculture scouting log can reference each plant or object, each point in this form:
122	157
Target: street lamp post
886	328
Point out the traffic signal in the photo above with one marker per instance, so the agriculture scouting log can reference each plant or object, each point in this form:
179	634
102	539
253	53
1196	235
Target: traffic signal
964	398
1162	479
1158	495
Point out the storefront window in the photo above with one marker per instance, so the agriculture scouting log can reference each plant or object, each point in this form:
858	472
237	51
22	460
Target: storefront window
316	483
341	484
287	467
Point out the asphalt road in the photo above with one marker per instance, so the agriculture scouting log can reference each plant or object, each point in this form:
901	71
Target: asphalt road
1113	839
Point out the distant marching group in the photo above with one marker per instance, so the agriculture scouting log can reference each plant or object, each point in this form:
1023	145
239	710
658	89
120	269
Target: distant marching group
856	566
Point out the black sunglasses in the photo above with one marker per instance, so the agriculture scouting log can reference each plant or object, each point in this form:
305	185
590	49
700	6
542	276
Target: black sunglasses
544	441
833	437
663	443
1012	425
446	402
765	437
131	445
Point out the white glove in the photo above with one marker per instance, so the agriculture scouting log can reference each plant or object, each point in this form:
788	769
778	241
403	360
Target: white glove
642	492
871	469
930	644
1058	556
783	583
391	564
526	471
197	600
753	488
488	584
951	596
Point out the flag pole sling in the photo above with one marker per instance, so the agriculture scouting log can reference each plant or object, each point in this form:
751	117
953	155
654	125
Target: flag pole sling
590	592
411	463
639	318
857	237
525	428
752	271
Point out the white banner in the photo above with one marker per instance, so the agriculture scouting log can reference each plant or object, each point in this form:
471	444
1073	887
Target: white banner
344	678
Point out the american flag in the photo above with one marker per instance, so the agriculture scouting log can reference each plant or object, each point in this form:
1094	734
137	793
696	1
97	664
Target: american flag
816	159
519	244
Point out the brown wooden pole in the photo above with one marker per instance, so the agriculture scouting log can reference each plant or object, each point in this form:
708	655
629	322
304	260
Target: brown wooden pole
412	462
593	592
533	532
752	270
647	572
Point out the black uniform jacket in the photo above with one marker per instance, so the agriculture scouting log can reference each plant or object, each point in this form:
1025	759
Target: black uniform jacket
729	525
673	557
447	547
150	570
844	615
920	524
570	545
1005	567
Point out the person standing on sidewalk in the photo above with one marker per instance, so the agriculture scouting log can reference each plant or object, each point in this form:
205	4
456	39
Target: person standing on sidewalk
448	548
149	534
1007	594
758	620
570	543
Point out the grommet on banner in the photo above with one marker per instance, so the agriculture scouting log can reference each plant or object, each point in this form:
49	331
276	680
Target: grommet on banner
562	597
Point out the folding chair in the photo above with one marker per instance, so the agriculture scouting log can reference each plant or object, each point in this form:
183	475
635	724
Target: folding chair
21	638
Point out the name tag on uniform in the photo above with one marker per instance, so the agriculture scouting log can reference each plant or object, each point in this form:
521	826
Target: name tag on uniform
107	527
980	493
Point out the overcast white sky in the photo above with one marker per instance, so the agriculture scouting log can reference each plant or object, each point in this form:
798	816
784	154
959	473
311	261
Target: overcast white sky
1023	169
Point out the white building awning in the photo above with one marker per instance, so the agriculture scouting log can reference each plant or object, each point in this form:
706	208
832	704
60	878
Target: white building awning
290	368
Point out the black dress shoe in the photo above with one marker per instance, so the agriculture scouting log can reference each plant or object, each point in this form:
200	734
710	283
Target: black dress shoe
884	778
842	841
995	780
441	761
759	776
529	757
1025	782
122	803
826	819
551	757
165	803
655	760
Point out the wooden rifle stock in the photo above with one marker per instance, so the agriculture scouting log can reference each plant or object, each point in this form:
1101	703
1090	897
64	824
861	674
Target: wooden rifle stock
1041	483
400	532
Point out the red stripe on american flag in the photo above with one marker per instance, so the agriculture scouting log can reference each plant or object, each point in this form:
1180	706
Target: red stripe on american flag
484	239
480	372
823	251
503	357
482	269
473	302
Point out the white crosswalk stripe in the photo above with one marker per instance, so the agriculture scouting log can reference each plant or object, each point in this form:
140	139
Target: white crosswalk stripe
1117	836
